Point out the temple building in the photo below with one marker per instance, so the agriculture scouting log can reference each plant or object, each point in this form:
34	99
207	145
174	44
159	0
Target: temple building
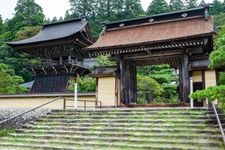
59	45
182	39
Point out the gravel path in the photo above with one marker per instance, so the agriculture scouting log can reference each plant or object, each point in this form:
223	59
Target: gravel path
18	122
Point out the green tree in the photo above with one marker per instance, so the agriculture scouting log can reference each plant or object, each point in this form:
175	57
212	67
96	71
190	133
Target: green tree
157	7
219	20
85	84
218	7
191	4
54	20
103	60
147	88
176	5
1	25
165	76
100	11
10	83
27	32
27	13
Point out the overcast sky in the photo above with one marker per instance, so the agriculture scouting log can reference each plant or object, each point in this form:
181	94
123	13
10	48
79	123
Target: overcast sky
51	8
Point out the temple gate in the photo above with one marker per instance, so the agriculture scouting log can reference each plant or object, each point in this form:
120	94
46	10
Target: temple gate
182	39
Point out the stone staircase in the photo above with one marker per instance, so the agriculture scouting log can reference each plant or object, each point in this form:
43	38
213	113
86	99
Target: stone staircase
119	129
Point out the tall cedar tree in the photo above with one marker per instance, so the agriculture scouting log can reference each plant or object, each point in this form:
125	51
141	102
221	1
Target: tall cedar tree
100	11
27	13
1	25
191	4
176	5
157	7
24	24
218	7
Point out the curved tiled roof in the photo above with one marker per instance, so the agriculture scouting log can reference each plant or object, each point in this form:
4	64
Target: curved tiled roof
54	31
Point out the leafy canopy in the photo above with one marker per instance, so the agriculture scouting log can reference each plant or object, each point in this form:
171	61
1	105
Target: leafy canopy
158	6
10	83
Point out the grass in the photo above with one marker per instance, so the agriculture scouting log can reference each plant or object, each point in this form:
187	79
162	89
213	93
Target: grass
5	132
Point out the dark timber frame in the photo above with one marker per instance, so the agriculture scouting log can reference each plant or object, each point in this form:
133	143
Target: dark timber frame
187	49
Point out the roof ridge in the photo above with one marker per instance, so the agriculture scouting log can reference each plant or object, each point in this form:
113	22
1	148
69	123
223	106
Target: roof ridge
65	21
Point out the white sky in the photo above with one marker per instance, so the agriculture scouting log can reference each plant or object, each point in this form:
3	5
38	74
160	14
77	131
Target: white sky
51	8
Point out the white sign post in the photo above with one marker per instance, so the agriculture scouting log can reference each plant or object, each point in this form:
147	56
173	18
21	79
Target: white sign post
75	95
191	91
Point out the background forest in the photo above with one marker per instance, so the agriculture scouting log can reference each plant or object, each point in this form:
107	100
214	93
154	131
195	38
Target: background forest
161	81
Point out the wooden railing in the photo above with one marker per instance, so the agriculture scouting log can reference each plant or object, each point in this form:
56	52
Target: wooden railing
85	103
219	122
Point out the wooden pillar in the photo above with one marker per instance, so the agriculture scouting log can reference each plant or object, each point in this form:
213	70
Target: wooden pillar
184	78
132	84
123	85
128	87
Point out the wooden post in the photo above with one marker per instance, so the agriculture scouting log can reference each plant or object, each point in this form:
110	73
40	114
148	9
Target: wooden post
132	84
122	82
185	77
128	88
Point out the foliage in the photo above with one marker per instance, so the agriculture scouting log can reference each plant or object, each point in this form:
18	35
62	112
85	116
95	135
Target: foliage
146	83
217	8
18	61
27	13
165	77
147	88
158	6
1	25
26	22
176	5
191	4
211	93
100	11
219	20
217	57
27	32
221	80
163	74
85	84
10	83
103	60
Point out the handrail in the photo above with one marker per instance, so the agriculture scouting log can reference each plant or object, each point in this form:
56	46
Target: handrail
85	102
219	122
21	114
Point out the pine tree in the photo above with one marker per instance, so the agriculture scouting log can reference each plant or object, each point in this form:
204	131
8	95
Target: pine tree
176	5
54	20
157	7
1	25
29	13
218	7
191	4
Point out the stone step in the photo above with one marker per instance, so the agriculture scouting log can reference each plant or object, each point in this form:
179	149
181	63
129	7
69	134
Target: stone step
137	129
61	133
121	124
125	109
171	120
95	116
199	141
119	144
135	112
